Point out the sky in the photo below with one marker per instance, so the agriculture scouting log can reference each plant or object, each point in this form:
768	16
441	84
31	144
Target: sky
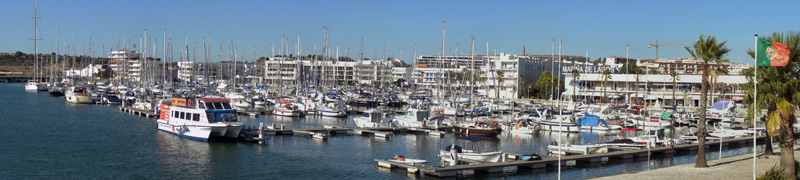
604	28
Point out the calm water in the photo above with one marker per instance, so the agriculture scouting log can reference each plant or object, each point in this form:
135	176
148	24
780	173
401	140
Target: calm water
46	137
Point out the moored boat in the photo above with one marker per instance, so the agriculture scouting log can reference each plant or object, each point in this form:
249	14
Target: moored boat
199	119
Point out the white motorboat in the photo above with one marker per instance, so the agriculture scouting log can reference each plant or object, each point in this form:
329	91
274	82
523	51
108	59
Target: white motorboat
370	119
199	119
289	110
654	122
78	95
409	161
568	149
413	118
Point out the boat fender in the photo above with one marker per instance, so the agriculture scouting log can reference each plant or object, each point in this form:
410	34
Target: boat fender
670	143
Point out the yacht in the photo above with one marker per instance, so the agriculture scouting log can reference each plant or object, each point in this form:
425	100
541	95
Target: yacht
78	95
199	119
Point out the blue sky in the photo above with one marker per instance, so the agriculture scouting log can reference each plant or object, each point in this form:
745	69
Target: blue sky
604	27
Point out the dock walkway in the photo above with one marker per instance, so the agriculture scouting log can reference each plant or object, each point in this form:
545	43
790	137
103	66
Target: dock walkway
511	164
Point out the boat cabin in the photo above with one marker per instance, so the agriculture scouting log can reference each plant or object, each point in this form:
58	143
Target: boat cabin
203	110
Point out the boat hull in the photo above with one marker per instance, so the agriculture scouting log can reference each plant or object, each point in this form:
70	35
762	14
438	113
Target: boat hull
331	113
475	131
566	127
287	113
200	132
79	99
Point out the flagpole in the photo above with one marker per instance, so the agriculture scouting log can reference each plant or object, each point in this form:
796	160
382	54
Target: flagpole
755	102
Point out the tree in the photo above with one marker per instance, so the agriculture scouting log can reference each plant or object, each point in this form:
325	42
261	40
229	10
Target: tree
708	49
606	76
631	68
520	82
777	93
575	74
542	87
654	71
499	78
675	78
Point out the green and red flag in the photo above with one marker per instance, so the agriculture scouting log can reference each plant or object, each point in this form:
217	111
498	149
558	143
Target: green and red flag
771	53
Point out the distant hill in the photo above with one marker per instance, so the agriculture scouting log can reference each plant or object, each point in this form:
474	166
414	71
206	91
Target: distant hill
26	60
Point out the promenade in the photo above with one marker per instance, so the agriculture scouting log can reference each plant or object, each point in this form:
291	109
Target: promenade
734	167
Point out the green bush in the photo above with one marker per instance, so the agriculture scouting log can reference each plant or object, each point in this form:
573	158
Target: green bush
774	173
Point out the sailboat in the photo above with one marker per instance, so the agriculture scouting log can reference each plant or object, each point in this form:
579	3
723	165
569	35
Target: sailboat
34	84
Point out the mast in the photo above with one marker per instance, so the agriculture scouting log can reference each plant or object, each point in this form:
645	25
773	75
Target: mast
413	65
53	72
441	64
35	40
472	84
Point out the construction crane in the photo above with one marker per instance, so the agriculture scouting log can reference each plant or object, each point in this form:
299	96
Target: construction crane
670	44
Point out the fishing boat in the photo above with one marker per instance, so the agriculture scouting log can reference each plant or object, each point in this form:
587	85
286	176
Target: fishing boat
78	95
199	119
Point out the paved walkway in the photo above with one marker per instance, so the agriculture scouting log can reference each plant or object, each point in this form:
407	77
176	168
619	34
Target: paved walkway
735	167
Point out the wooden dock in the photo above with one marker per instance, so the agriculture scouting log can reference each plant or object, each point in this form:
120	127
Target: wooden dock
511	161
381	133
139	112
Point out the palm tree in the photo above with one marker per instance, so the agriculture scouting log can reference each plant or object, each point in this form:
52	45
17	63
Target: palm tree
675	78
575	78
499	80
777	93
708	49
520	82
606	76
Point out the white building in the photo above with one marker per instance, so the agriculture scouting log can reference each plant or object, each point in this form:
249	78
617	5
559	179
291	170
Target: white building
623	87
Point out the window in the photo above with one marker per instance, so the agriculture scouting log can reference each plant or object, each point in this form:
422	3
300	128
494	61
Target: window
202	105
210	105
175	114
183	115
188	116
196	117
226	105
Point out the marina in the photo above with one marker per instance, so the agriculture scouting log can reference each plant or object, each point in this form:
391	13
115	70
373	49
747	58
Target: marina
471	102
343	134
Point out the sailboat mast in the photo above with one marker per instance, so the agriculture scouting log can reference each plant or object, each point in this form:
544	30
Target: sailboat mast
35	39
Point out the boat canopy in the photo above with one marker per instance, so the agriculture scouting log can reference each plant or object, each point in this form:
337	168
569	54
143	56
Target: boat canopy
666	115
592	122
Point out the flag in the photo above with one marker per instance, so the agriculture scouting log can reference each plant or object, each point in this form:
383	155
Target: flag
771	53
